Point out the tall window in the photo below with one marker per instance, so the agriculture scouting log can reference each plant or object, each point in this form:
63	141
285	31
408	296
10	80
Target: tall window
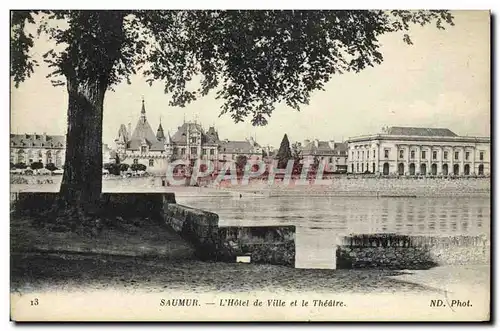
456	155
401	153
386	153
481	156
144	149
367	154
204	151
193	150
193	140
362	154
151	162
352	155
212	151
467	155
423	155
358	154
136	161
445	155
183	151
374	154
434	155
412	155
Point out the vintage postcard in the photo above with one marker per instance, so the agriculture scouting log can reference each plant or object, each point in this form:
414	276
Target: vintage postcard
250	165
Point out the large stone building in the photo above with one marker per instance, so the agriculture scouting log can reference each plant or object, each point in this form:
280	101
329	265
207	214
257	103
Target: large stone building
231	149
329	152
190	142
29	148
419	151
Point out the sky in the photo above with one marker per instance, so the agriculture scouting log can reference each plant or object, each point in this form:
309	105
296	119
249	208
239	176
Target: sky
442	80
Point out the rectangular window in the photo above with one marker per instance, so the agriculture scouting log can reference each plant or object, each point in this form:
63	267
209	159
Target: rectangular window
352	155
193	150
362	154
412	155
456	155
386	153
151	162
434	155
423	155
193	140
467	155
144	149
136	161
204	151
367	154
358	154
374	154
183	151
212	152
481	156
401	154
445	155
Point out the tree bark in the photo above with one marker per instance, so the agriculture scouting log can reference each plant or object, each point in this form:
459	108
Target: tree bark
82	179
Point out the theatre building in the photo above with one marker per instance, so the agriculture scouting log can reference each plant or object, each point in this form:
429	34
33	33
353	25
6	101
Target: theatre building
419	151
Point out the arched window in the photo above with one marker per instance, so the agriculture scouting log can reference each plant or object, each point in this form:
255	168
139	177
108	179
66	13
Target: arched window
412	169
386	169
445	169
401	169
467	170
423	169
434	169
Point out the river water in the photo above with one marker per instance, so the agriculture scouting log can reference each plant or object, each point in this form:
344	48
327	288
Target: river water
320	220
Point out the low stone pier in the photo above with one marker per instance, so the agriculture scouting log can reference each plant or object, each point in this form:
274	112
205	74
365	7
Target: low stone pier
395	251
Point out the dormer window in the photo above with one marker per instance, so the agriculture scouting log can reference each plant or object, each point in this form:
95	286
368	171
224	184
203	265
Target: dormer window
144	149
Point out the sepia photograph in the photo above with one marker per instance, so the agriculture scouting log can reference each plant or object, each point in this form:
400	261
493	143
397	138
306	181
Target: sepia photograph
250	165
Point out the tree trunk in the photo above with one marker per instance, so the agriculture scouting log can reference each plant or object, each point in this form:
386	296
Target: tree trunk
82	179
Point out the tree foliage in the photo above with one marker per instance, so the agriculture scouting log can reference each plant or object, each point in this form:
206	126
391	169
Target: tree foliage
284	153
241	162
252	60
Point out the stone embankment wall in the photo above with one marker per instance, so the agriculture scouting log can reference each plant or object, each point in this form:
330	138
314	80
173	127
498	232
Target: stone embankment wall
361	186
198	227
266	244
269	244
411	252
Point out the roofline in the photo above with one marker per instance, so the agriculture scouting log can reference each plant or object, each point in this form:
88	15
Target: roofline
422	138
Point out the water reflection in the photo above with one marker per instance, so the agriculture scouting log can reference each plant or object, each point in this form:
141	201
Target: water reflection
417	216
320	221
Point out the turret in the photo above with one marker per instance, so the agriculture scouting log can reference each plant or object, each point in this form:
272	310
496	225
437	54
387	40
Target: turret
160	135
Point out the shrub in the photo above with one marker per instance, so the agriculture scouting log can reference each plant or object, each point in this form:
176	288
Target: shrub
124	167
113	168
20	165
50	167
36	165
138	167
